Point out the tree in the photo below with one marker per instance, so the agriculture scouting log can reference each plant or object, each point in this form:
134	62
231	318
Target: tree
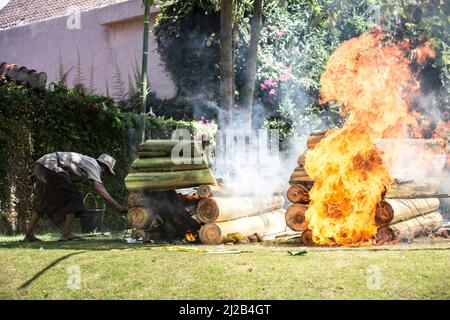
248	89
226	95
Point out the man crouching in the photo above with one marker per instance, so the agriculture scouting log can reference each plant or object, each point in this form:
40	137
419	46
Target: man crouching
55	175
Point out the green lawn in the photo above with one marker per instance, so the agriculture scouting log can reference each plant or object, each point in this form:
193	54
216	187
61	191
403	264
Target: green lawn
111	269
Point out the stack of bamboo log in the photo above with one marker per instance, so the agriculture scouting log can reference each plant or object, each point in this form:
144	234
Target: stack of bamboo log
157	170
214	212
408	209
226	217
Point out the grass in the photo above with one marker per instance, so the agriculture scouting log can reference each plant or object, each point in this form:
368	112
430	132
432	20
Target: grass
112	269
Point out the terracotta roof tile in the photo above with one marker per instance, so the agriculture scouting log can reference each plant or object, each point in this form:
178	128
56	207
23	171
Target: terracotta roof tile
20	12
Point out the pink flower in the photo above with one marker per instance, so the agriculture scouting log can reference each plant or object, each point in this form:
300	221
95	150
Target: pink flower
281	33
287	74
268	83
272	92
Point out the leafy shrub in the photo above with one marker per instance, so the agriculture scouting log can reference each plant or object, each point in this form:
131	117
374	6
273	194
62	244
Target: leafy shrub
296	41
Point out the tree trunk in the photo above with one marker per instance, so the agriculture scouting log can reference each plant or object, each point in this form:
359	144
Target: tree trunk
251	62
264	224
226	59
295	217
163	181
221	209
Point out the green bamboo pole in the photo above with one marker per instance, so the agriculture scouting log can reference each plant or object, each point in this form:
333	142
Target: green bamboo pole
147	5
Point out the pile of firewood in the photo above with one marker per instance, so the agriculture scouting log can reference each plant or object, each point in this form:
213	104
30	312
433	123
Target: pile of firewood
169	200
408	209
157	211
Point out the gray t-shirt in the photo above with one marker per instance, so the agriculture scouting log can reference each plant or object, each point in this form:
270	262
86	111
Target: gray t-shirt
74	164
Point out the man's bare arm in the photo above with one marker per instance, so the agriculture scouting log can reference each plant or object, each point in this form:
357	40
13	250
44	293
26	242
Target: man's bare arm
105	194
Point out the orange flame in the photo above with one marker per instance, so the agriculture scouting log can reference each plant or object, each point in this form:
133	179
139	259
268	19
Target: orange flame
371	79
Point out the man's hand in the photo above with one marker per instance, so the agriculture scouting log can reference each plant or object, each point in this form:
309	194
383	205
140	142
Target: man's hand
122	209
105	194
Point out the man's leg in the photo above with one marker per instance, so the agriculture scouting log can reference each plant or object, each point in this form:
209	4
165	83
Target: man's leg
29	236
70	217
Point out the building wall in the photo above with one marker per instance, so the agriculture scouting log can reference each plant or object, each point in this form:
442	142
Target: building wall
108	41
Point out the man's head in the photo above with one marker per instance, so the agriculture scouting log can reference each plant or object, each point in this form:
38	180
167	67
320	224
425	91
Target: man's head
107	163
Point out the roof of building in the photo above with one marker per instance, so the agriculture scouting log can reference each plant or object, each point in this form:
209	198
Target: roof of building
21	12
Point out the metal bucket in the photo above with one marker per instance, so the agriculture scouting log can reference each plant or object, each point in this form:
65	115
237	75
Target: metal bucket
91	220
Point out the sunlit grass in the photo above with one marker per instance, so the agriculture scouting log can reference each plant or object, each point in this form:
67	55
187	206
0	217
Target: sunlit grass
112	269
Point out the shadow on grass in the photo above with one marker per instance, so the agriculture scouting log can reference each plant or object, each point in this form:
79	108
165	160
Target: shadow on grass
54	263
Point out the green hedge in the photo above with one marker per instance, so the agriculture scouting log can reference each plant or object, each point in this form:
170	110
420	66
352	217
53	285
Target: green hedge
33	123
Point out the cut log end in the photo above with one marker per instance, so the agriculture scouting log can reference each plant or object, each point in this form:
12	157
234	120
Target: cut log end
384	235
298	194
204	191
208	210
139	234
295	217
139	217
210	234
136	199
384	214
306	238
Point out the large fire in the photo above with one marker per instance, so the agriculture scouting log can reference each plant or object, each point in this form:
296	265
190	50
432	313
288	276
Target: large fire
372	79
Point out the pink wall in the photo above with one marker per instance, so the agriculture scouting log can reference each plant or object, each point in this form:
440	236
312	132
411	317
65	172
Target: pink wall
107	37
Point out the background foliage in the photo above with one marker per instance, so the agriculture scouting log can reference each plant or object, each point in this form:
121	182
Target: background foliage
297	38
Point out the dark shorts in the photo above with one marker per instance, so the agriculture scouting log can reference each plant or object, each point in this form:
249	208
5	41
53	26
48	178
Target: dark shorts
57	194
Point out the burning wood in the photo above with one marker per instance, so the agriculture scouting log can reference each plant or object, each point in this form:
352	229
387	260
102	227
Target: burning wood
306	238
314	138
423	225
295	217
349	172
298	194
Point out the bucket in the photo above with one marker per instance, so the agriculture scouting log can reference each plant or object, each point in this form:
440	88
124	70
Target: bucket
91	220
